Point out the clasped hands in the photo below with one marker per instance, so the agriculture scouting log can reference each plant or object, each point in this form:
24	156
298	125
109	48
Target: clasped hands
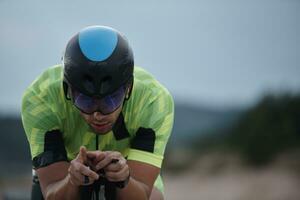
86	168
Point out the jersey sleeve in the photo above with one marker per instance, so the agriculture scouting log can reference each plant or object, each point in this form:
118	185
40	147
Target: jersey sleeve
156	124
42	124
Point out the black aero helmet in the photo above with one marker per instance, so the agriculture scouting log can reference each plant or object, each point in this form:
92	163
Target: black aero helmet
97	61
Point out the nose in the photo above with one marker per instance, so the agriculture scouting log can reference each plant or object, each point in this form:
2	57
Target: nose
98	116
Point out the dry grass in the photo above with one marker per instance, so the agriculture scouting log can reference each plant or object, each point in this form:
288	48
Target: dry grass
223	177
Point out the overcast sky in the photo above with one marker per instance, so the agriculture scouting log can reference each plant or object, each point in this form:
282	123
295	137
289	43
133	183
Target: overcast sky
213	52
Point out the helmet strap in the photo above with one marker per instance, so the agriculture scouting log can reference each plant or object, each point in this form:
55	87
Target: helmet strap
66	88
129	89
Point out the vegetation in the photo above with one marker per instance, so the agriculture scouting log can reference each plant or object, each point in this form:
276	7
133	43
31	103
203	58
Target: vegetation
271	127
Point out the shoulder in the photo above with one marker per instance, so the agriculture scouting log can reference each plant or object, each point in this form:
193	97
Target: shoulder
147	86
149	102
46	85
51	77
45	94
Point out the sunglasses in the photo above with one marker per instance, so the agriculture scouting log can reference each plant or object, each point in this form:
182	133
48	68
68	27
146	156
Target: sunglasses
105	105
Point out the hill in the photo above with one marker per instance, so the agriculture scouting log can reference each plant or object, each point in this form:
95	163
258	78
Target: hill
192	122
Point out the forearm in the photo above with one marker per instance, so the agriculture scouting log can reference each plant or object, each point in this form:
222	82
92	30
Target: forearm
63	190
135	190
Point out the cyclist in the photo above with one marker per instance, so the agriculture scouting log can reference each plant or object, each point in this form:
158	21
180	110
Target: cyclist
97	124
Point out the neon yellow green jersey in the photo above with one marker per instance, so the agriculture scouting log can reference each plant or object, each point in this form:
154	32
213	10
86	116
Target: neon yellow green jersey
140	133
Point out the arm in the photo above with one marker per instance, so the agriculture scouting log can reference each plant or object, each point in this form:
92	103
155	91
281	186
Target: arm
61	180
55	182
142	177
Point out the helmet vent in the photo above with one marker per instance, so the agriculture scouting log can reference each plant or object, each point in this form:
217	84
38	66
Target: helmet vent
88	78
105	84
106	80
88	83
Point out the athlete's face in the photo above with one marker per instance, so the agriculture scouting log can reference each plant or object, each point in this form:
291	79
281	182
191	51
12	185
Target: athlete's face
101	124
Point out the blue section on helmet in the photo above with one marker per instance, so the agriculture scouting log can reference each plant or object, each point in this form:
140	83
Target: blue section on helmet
97	43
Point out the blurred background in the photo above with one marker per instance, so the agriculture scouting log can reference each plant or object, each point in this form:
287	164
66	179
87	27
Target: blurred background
232	66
